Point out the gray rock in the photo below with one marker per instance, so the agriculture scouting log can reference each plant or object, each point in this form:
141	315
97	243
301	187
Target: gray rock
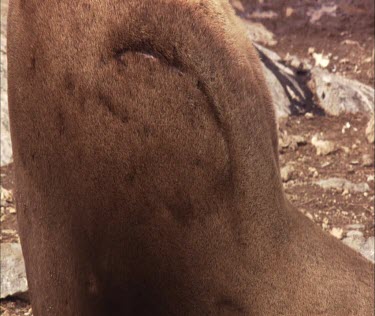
367	161
361	245
337	95
354	233
287	95
263	14
280	100
355	242
259	33
316	13
13	275
367	250
336	232
370	133
355	226
299	64
291	141
4	14
5	142
323	147
343	184
287	172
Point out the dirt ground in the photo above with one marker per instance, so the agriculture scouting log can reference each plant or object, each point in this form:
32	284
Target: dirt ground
343	31
348	36
15	307
331	208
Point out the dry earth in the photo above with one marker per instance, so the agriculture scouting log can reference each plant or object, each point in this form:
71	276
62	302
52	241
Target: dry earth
340	29
346	38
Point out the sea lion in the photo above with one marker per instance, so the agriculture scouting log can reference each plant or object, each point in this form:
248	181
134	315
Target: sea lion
147	170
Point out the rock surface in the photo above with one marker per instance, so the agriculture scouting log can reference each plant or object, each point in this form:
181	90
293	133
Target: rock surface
280	100
367	160
291	141
370	133
287	95
355	242
287	173
323	147
336	232
13	274
367	250
337	95
353	233
361	245
5	143
343	184
354	226
258	33
317	13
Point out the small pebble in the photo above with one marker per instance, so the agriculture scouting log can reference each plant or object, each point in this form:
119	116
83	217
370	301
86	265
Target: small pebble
337	232
323	147
12	210
345	149
287	173
367	161
309	216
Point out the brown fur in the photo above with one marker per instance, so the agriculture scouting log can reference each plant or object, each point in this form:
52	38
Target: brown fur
146	163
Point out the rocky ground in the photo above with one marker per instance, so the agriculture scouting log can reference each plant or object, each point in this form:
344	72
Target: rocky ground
327	160
342	31
340	205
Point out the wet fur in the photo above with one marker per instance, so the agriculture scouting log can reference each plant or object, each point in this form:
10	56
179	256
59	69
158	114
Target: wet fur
147	170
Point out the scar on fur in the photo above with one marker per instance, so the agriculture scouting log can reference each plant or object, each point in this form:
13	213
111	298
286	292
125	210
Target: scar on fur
148	56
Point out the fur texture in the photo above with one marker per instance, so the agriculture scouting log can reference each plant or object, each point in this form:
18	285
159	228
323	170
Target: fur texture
147	169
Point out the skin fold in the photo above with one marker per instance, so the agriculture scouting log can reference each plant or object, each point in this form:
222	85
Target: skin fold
147	169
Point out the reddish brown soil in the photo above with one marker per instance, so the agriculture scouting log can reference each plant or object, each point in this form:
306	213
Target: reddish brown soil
339	209
8	221
15	307
353	21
